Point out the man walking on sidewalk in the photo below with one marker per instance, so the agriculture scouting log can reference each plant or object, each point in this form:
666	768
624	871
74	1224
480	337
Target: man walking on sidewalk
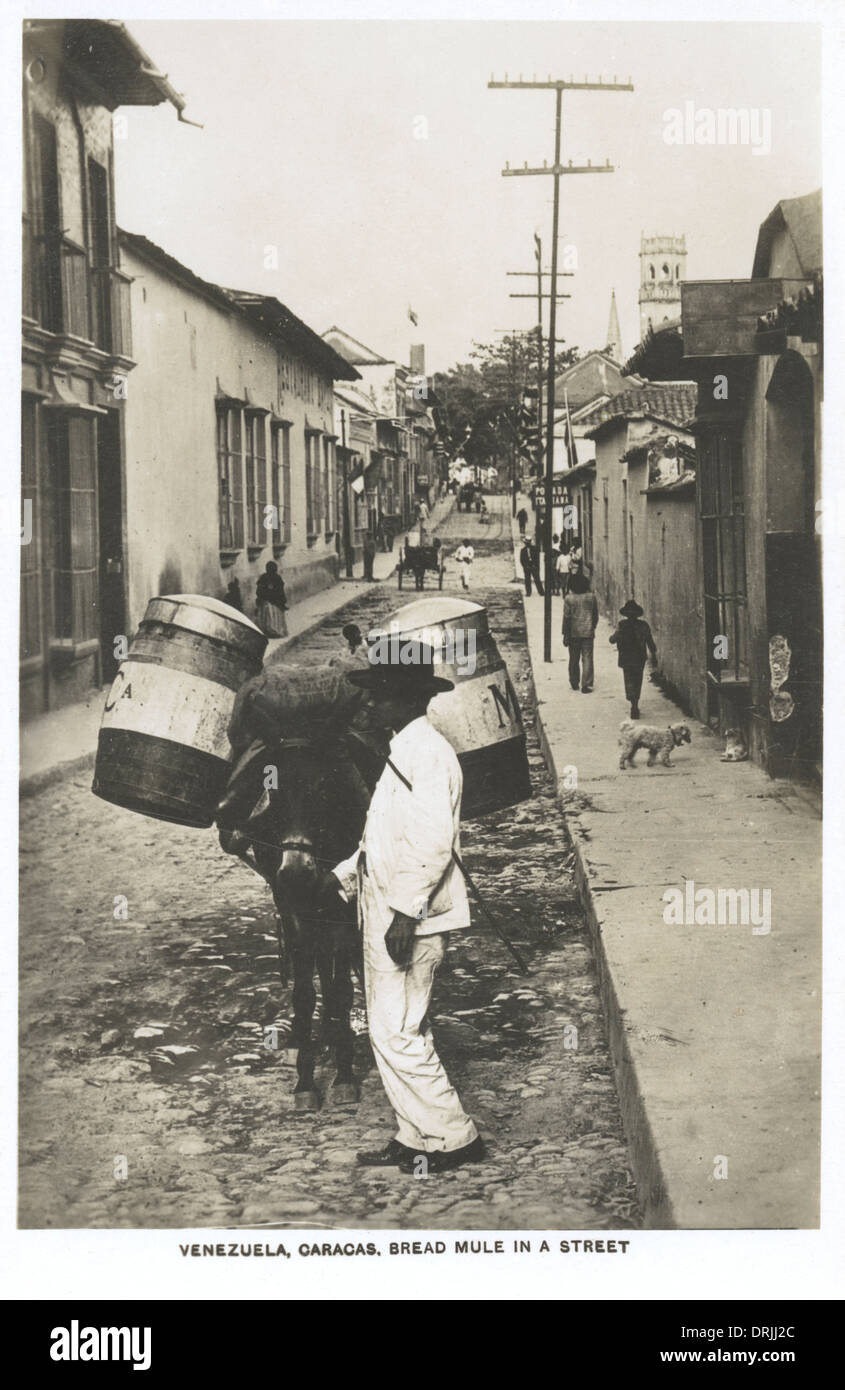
411	895
633	639
522	518
464	555
529	560
580	618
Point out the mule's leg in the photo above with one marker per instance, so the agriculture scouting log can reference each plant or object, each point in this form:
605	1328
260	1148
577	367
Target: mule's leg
336	984
344	1089
304	998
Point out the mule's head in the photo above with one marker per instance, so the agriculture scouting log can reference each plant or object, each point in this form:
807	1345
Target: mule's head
310	816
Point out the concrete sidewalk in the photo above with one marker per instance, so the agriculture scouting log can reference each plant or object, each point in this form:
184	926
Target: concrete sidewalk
65	741
715	1030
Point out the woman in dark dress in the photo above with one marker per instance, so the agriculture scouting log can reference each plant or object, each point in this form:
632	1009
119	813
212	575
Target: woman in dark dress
271	602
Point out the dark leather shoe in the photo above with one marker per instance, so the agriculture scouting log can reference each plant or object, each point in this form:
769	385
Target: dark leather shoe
442	1161
391	1156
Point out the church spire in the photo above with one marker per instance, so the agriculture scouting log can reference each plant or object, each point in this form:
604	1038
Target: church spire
614	337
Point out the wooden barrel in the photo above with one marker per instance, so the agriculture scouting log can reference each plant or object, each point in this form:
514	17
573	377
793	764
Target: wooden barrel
163	748
481	717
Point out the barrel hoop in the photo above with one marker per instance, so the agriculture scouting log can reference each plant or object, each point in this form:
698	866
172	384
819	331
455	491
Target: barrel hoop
217	664
145	773
177	706
206	624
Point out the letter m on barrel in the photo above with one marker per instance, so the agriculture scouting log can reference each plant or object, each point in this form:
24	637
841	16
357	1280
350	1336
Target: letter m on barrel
505	704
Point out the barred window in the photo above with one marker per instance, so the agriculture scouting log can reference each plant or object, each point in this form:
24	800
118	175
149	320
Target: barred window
311	499
280	482
256	478
73	563
230	478
327	486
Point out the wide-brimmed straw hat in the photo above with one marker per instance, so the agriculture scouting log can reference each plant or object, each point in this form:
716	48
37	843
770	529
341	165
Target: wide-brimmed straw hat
388	672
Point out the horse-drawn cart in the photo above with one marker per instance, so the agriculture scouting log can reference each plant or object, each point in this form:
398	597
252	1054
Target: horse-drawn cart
416	559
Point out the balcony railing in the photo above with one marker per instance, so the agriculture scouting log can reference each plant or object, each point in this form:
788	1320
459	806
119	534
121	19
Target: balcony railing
112	323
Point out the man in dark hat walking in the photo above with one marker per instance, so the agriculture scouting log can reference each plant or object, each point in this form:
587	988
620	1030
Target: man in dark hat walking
530	561
633	640
410	894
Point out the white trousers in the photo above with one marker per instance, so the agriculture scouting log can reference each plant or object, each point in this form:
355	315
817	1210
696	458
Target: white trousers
465	567
429	1113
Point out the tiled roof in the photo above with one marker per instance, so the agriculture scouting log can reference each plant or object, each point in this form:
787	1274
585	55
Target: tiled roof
802	219
685	483
586	380
274	318
672	401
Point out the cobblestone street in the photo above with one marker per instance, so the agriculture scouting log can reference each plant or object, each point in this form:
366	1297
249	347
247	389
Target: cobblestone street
148	1096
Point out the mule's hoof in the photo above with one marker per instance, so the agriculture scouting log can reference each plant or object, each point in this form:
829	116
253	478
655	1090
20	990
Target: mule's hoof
305	1101
345	1093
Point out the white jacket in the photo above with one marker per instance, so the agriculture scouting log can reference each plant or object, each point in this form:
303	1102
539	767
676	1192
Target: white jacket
409	835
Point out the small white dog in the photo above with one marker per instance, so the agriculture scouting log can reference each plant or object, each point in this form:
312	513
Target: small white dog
657	741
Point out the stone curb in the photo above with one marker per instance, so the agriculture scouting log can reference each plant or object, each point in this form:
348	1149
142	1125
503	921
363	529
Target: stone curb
38	781
645	1163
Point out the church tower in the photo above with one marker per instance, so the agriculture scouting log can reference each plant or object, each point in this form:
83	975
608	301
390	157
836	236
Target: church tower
663	262
614	336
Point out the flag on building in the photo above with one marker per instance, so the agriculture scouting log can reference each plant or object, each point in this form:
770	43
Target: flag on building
356	477
412	316
571	451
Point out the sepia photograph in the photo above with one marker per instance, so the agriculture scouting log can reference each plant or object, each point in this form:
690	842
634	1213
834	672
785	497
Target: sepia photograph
420	631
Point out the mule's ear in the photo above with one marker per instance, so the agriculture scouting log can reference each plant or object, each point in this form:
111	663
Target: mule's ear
262	715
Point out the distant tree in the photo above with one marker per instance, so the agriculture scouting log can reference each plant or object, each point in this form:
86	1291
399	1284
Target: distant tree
479	404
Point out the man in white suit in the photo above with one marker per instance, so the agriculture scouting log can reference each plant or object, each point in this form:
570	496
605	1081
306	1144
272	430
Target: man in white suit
411	894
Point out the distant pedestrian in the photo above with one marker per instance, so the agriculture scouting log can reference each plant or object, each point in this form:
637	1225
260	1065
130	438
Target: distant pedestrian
464	555
522	518
271	602
369	556
234	597
633	640
555	576
529	560
580	618
571	562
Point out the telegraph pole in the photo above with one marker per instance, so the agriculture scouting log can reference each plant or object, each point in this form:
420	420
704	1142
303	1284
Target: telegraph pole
539	273
558	86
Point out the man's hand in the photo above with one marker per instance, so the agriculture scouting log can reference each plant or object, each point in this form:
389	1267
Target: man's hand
328	894
399	939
